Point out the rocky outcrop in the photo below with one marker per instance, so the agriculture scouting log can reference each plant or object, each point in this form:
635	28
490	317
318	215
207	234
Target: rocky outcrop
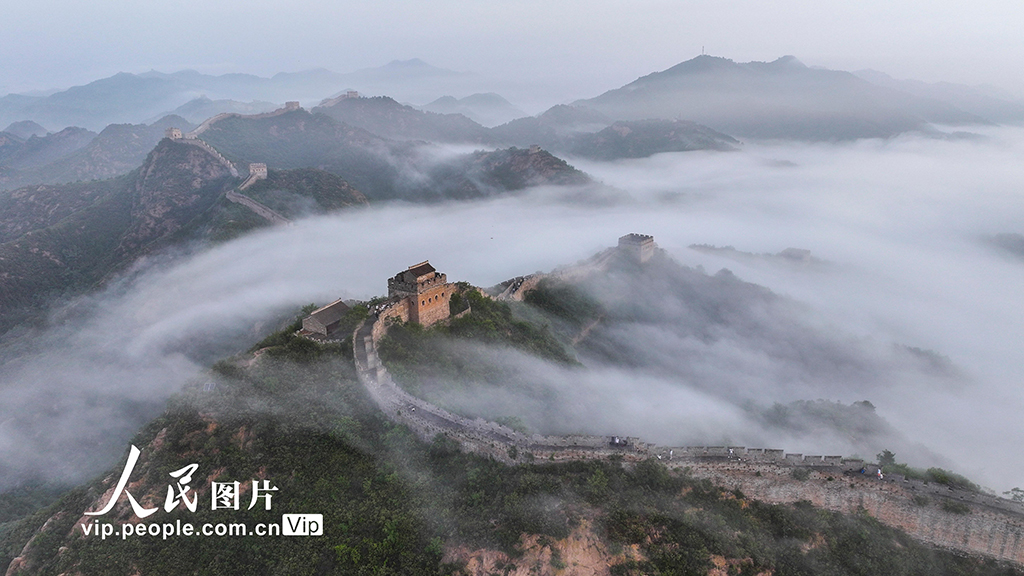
957	520
516	168
583	553
177	183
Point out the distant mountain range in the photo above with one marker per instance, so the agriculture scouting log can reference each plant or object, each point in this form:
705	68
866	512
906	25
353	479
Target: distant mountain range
574	131
65	238
779	99
77	154
987	102
488	109
700	104
134	98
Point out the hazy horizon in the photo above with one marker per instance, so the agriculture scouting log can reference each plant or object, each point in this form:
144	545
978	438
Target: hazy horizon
556	52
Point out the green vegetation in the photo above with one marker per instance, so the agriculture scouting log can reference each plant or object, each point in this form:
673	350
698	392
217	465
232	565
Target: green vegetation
392	504
299	139
955	481
515	169
643	138
799	473
564	301
69	255
224	221
680	523
414	354
28	497
106	227
286	344
956	507
296	193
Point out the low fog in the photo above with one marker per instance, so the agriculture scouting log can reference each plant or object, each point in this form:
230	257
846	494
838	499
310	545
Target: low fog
900	231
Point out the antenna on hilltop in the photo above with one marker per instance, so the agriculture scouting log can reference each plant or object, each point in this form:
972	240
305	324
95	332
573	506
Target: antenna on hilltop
702	50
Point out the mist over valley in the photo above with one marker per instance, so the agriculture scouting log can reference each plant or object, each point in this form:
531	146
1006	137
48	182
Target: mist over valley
268	275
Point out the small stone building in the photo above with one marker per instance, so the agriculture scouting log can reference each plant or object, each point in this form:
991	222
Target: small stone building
426	290
325	321
291	105
639	247
173	133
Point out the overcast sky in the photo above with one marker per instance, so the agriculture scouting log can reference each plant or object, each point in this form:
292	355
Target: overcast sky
582	47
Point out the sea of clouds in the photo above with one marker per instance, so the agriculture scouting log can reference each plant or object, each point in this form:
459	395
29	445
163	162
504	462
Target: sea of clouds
900	230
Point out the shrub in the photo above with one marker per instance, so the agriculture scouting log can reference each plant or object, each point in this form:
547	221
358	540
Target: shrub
954	507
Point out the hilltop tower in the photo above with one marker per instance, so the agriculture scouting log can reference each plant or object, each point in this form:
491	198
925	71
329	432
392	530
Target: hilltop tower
258	171
173	133
426	290
639	247
291	105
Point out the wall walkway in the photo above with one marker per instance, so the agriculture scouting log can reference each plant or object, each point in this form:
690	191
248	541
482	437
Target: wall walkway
257	207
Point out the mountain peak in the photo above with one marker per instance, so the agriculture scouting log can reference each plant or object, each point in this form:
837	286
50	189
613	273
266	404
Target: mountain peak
788	62
411	63
702	63
25	129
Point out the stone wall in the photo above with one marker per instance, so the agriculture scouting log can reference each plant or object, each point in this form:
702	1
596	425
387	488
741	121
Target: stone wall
260	209
220	158
516	288
214	119
992	526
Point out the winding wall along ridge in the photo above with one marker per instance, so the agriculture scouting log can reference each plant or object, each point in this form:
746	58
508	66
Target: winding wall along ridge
993	527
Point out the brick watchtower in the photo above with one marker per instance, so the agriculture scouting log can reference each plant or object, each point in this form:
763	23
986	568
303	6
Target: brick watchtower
427	291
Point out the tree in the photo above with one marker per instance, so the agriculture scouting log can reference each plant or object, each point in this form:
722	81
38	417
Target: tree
1015	494
886	458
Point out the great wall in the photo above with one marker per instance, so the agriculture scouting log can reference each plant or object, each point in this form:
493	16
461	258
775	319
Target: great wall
205	125
982	524
959	520
257	171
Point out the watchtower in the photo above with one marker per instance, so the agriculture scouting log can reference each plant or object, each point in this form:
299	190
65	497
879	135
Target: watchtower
427	291
639	247
291	105
173	133
258	171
